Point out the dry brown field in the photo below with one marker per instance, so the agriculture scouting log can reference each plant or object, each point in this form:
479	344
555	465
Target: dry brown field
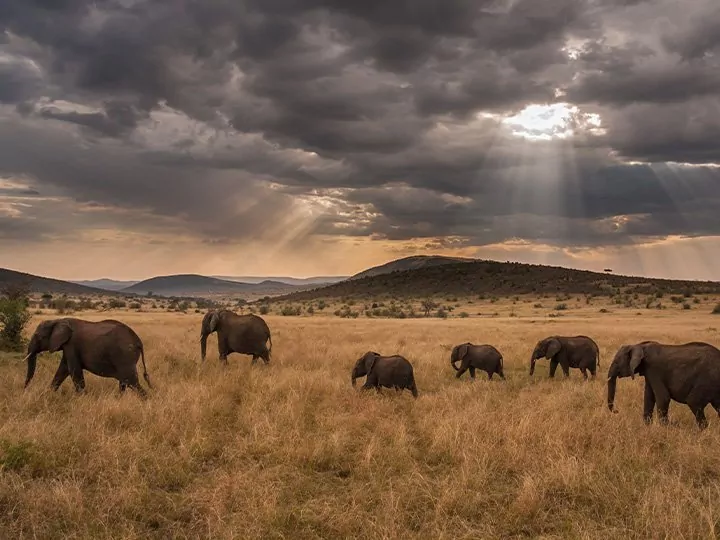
293	451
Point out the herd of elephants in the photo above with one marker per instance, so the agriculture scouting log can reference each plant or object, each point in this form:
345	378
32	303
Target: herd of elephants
688	373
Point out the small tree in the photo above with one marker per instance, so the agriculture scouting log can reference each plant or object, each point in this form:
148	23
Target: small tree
428	306
14	316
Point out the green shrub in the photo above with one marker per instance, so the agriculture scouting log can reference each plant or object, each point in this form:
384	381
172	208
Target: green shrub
14	317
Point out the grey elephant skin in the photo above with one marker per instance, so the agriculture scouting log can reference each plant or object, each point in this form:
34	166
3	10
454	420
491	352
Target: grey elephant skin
243	334
688	373
471	357
389	371
107	348
579	352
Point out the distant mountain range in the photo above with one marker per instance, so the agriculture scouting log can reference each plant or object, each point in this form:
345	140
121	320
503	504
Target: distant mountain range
203	286
417	276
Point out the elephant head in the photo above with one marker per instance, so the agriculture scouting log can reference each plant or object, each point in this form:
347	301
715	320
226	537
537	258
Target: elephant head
545	348
48	336
209	325
364	365
628	361
458	353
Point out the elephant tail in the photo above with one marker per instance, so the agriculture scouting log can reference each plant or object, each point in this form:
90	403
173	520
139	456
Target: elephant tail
145	372
597	355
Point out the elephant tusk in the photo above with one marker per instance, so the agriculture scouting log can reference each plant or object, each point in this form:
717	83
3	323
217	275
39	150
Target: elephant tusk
26	358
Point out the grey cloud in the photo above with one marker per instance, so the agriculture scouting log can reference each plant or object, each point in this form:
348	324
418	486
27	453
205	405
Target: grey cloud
386	94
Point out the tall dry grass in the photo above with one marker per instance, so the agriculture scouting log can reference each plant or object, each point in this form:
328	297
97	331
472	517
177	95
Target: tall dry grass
292	451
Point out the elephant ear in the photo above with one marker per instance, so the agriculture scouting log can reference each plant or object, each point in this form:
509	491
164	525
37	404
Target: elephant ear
60	335
462	351
370	359
637	353
553	347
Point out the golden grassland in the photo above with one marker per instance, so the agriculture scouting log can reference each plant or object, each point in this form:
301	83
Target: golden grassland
293	451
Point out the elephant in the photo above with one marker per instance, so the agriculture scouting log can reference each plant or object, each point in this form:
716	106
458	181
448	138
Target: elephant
389	371
107	348
484	357
243	334
688	373
570	352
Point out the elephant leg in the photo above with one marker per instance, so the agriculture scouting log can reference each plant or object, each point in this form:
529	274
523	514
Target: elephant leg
490	375
254	360
78	380
472	373
61	374
500	373
553	368
583	369
565	369
662	401
698	410
123	386
76	373
460	372
265	355
648	404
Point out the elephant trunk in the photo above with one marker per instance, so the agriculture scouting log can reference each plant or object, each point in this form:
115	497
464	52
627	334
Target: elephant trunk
454	359
354	379
203	345
31	363
611	387
532	364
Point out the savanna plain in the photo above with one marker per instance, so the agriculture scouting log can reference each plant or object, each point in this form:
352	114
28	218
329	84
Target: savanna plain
291	450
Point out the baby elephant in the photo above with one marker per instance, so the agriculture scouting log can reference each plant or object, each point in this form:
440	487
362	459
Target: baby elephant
472	357
389	371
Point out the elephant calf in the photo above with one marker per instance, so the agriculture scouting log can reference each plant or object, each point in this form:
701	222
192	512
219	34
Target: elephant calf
389	371
579	352
688	373
106	348
472	357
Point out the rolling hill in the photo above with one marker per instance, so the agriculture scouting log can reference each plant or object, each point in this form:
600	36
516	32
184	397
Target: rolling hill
196	285
495	278
105	283
314	280
39	284
416	262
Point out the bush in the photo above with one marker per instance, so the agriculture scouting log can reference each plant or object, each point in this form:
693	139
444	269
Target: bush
716	310
290	311
264	309
14	317
115	303
463	314
561	307
686	305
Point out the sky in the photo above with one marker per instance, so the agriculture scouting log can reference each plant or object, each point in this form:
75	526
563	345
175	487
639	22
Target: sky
322	137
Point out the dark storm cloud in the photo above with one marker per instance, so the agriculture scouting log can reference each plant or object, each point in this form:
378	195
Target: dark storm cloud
385	94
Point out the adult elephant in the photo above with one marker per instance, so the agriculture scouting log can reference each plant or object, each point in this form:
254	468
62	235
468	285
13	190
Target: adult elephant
107	348
579	352
472	357
393	371
688	373
243	334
